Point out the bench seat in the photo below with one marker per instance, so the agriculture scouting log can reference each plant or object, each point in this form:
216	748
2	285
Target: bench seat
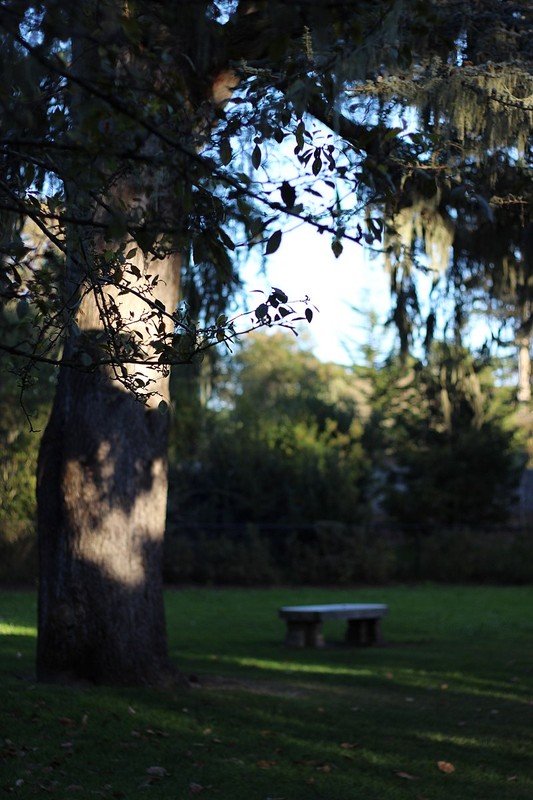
304	623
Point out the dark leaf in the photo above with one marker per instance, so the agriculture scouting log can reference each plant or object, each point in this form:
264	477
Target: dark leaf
288	194
229	243
23	307
261	311
256	157
225	152
337	247
273	243
279	294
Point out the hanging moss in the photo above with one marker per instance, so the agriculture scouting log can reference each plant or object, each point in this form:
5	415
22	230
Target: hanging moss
483	107
489	106
420	222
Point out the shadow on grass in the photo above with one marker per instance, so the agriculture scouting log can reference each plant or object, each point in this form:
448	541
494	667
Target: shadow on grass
264	721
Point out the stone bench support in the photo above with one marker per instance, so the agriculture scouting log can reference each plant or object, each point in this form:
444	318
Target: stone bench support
304	623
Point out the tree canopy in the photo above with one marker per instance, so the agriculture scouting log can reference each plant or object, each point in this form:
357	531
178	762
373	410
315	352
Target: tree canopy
208	95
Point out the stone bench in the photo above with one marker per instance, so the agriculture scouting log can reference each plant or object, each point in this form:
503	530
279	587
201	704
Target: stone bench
304	623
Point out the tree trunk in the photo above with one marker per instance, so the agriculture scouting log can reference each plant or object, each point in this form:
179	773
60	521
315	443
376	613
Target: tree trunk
524	371
102	490
102	472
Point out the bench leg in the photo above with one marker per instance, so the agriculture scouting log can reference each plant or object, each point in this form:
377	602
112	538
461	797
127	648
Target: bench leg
363	632
304	634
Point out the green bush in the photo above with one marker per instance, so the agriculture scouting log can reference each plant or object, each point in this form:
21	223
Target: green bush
335	553
18	556
18	465
332	553
461	555
243	560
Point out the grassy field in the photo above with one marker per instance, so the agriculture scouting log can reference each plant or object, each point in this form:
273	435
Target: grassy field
443	710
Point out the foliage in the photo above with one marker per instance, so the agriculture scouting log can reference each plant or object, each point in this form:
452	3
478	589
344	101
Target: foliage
259	720
24	404
288	439
462	216
216	556
282	465
218	105
280	442
432	426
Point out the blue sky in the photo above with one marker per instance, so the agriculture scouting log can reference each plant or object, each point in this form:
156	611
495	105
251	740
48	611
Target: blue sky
305	265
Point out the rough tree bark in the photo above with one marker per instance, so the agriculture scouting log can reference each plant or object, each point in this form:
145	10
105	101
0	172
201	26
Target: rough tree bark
102	491
102	473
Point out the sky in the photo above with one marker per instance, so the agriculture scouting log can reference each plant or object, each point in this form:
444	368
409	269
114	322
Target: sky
305	265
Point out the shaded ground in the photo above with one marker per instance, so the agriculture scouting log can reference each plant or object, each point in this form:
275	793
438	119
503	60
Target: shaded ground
445	711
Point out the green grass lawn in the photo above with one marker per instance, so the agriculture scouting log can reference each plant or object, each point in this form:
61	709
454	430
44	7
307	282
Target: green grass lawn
443	710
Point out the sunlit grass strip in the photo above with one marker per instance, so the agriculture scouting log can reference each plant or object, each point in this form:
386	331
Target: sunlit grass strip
468	742
9	629
462	683
288	666
453	682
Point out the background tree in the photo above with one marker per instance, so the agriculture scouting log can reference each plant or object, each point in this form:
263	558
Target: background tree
432	427
463	214
280	442
25	397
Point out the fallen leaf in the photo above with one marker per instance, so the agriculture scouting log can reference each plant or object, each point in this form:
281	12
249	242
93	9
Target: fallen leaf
265	764
159	772
407	776
349	745
324	768
446	767
196	788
